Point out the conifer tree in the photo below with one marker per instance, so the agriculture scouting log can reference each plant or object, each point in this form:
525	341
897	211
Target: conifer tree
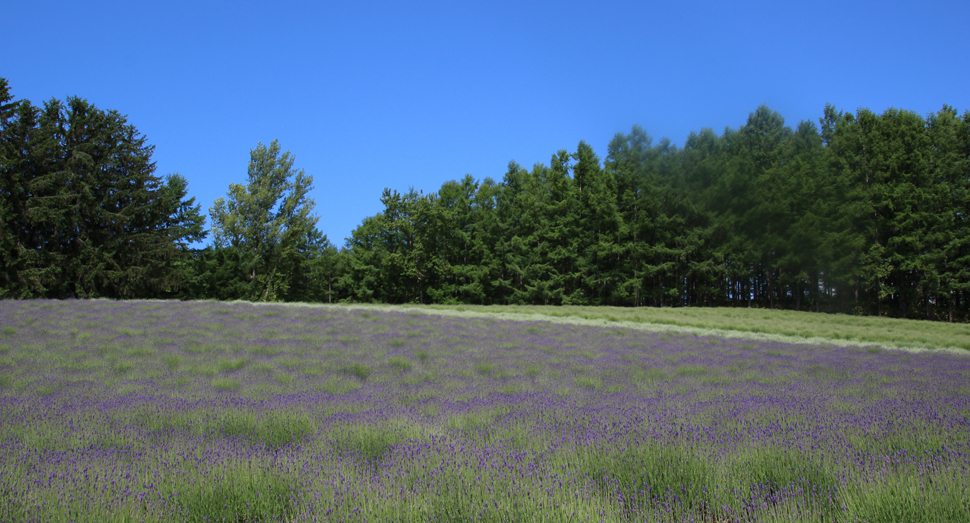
84	214
17	123
864	214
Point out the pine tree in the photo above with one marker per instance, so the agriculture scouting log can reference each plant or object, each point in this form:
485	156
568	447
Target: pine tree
364	281
760	210
17	124
807	189
947	236
511	248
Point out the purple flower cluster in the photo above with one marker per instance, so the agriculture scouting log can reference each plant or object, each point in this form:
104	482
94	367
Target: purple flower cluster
167	411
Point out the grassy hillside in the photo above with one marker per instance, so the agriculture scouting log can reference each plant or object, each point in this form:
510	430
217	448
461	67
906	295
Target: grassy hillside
779	325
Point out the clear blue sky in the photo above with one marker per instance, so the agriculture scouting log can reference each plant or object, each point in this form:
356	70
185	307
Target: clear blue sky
368	95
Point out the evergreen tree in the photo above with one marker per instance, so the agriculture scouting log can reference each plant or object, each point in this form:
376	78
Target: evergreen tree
588	186
628	162
485	229
217	273
84	214
944	209
759	207
560	228
864	214
911	213
807	191
17	125
602	226
511	247
363	281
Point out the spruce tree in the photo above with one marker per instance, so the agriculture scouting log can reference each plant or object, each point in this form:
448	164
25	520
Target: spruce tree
16	126
85	214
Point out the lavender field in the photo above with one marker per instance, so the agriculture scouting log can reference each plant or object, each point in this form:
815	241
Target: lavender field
204	411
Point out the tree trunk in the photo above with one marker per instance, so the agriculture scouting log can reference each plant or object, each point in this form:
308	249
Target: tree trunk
269	282
771	291
818	293
879	297
927	300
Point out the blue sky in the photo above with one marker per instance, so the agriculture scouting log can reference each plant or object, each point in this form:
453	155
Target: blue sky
368	95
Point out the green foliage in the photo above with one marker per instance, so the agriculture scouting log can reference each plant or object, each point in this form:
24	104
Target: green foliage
863	214
936	496
228	384
230	365
172	361
239	494
83	214
272	430
485	368
370	443
359	370
270	226
399	364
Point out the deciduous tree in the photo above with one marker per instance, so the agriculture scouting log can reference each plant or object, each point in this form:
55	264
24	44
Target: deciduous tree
269	220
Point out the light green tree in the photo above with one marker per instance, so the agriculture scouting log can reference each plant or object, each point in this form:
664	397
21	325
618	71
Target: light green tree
269	220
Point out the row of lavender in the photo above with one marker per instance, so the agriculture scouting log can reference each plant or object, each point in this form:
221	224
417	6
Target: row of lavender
152	411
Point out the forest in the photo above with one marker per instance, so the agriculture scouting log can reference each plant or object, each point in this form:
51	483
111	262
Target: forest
861	213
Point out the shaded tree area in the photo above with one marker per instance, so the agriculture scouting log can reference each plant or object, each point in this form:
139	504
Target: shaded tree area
865	215
82	214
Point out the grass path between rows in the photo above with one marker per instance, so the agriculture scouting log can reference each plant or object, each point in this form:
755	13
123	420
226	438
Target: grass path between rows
760	324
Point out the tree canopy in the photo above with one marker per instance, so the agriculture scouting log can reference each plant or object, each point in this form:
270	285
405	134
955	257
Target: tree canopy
269	223
83	214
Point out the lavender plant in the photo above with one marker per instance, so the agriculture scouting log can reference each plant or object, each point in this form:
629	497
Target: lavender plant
202	411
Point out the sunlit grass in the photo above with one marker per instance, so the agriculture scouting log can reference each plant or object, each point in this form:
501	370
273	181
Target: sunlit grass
779	324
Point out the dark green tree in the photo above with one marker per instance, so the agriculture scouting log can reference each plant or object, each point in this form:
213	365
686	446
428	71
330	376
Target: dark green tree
363	280
511	244
17	125
806	196
85	216
864	214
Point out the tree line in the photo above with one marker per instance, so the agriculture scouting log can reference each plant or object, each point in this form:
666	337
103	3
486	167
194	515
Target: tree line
864	213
